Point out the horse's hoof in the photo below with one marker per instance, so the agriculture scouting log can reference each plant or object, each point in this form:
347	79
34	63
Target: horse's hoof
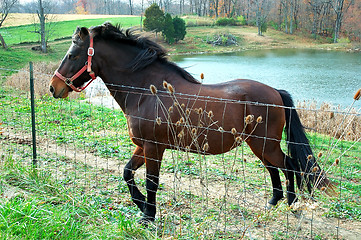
144	221
269	206
297	213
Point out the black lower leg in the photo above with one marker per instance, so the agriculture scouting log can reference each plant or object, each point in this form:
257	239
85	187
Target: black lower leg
137	197
291	195
150	206
276	185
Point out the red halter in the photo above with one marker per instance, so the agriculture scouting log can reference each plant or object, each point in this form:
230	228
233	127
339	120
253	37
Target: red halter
69	81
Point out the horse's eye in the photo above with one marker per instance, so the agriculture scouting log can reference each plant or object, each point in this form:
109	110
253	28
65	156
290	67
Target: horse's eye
72	57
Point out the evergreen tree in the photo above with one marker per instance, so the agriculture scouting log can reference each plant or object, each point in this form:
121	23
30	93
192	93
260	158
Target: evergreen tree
179	28
168	31
154	18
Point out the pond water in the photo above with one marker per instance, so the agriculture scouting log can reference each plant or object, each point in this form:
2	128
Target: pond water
324	76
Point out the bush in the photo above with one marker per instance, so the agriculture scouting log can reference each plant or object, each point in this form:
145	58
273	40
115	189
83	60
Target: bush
179	28
226	22
241	20
154	18
168	31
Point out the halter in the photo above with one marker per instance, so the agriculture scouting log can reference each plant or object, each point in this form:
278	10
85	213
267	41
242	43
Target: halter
69	81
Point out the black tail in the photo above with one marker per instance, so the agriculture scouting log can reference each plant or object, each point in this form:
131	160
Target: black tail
303	160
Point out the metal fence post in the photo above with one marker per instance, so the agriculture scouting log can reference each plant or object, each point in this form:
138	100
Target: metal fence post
32	111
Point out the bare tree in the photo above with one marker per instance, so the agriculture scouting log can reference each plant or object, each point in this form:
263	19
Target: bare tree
41	16
339	8
262	9
5	7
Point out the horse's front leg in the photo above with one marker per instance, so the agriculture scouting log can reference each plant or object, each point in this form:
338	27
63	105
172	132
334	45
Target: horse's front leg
134	163
153	156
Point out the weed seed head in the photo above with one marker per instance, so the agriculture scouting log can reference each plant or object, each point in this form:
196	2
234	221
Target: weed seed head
202	76
302	174
170	88
181	120
188	111
332	115
165	84
259	119
249	119
153	89
323	189
183	105
337	161
181	134
220	129
357	95
287	182
238	139
199	111
170	109
159	121
205	147
234	131
194	131
319	155
315	169
210	114
309	157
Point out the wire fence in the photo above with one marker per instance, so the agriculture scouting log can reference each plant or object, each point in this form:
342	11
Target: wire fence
84	144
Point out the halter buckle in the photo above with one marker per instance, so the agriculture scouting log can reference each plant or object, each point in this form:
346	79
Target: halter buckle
68	82
90	51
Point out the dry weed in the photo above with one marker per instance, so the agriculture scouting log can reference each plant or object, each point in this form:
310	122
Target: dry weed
43	71
330	120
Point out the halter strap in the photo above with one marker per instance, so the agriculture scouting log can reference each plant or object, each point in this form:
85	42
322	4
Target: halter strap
87	67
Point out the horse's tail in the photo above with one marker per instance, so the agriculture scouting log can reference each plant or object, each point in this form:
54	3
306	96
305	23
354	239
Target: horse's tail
301	156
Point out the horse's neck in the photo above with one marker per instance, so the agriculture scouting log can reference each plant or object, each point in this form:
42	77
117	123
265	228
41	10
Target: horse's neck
126	87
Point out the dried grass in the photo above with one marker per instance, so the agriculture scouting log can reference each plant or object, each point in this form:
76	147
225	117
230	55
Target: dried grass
43	71
330	120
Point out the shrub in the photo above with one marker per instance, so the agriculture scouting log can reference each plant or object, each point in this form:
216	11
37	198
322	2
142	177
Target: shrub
154	18
225	21
168	31
241	20
179	28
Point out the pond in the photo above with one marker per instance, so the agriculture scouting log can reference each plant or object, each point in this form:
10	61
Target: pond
323	76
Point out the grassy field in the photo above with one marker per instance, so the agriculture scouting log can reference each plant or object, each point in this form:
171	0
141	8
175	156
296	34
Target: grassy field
59	29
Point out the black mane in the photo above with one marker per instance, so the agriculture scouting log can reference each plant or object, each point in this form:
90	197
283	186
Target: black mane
149	51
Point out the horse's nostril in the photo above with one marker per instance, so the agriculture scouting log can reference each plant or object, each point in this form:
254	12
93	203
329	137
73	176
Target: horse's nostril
51	89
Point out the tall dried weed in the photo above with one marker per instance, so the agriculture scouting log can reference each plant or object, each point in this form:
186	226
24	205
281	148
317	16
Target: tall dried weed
43	71
330	120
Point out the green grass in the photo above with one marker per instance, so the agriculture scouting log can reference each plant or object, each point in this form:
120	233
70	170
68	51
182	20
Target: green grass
59	30
42	208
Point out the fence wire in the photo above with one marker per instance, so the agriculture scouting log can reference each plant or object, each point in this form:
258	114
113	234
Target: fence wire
84	144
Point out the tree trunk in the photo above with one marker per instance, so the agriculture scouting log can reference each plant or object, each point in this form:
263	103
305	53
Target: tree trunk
339	14
42	27
2	41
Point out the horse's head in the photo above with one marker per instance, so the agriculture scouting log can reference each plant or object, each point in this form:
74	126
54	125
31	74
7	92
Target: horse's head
75	69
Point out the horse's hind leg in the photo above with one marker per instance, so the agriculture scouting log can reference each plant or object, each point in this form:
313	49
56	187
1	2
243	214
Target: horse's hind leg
134	163
276	185
272	155
290	185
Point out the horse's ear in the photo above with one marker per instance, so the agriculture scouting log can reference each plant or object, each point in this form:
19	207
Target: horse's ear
83	33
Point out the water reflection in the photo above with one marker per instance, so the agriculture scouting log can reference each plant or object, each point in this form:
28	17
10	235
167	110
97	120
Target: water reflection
324	76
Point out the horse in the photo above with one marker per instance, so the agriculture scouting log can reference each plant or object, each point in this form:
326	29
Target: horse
167	108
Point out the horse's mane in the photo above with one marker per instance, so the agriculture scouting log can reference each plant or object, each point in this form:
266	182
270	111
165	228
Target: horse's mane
150	51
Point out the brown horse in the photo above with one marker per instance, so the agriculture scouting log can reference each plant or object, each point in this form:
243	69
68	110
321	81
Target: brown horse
166	108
